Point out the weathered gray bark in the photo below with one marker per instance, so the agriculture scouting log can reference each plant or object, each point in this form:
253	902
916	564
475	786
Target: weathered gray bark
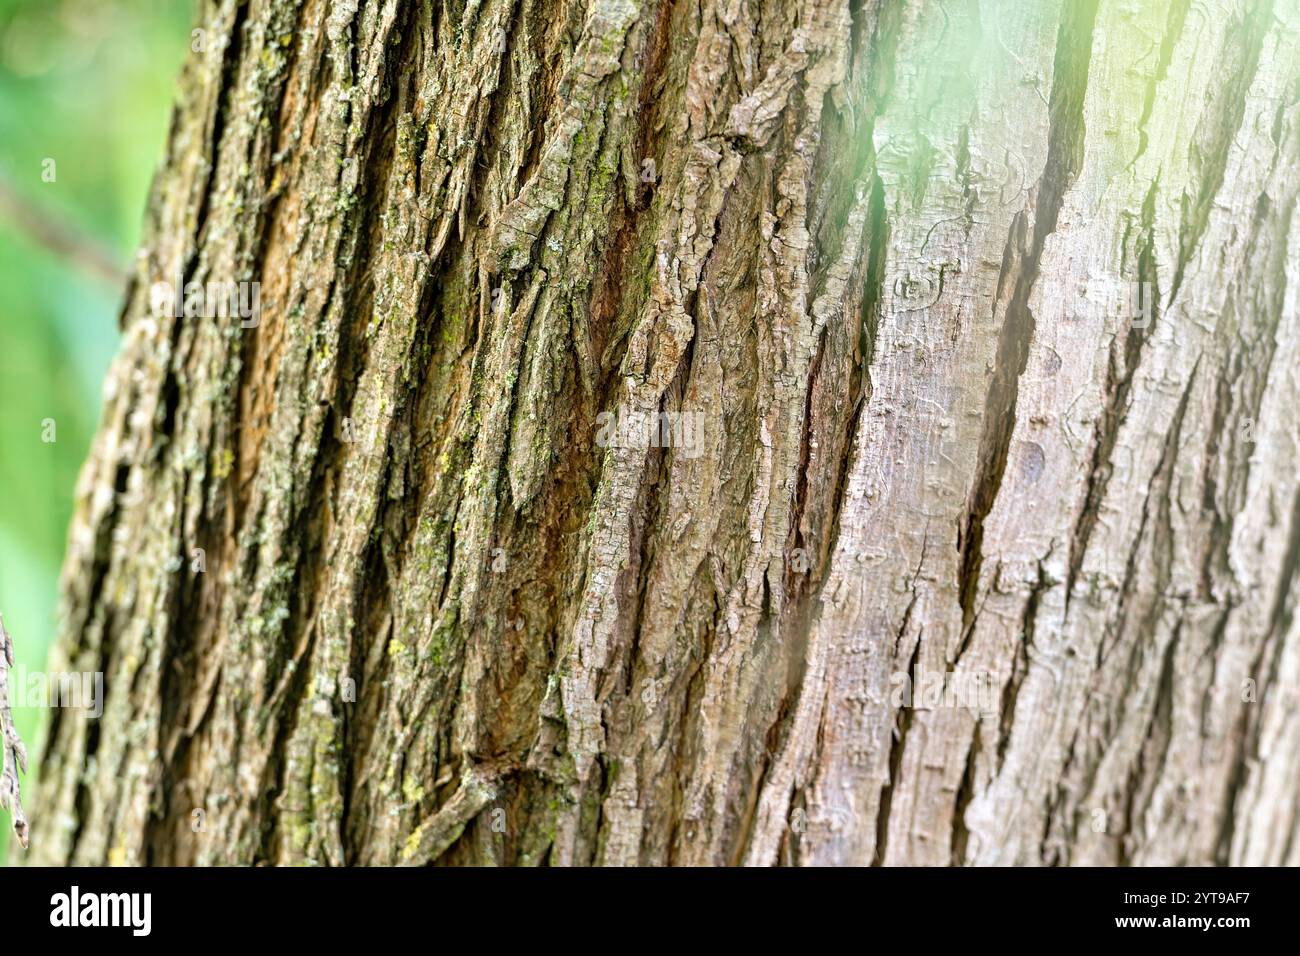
867	249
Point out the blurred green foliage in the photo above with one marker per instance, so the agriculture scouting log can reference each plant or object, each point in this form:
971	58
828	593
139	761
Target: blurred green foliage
88	84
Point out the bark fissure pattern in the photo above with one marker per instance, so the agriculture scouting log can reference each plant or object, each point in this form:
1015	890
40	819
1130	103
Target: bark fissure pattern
850	236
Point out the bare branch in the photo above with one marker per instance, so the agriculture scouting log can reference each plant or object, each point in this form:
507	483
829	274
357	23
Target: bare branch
59	237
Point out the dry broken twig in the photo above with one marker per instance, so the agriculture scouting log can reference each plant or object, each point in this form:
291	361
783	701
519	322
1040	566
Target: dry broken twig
477	788
15	754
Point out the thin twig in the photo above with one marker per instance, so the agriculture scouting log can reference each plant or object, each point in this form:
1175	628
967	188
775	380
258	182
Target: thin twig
15	754
477	788
64	240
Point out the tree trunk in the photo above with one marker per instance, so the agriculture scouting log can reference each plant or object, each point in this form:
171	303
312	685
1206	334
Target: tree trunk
966	530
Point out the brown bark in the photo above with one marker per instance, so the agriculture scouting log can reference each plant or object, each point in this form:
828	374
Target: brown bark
882	254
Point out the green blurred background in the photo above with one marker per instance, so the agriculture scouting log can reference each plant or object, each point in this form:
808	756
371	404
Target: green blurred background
89	84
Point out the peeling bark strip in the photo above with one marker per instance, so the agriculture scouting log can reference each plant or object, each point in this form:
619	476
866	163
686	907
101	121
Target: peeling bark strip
13	755
989	315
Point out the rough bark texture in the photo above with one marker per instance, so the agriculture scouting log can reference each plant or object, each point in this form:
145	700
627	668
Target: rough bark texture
858	254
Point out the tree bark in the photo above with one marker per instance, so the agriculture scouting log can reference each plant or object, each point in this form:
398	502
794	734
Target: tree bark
987	316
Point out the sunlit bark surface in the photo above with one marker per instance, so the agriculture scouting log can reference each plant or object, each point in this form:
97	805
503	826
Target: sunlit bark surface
972	533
